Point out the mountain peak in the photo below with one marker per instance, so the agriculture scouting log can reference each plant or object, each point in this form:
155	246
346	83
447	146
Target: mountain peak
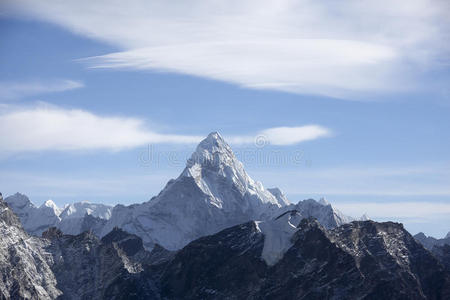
214	136
18	200
323	201
49	203
212	152
212	145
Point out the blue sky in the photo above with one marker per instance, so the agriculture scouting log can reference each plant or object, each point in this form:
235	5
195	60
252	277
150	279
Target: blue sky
358	113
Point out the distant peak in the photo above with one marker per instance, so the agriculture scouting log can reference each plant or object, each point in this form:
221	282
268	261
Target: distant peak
18	200
364	217
49	203
448	235
323	201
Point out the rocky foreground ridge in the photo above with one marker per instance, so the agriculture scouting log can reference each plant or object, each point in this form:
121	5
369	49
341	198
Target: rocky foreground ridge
362	259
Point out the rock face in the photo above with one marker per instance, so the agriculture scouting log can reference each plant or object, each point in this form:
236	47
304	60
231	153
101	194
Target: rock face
25	266
212	193
443	254
89	268
360	260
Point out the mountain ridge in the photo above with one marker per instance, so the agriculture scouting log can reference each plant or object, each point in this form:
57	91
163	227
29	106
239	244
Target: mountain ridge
361	259
213	192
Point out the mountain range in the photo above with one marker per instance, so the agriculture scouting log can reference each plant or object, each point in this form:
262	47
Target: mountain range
212	233
72	218
287	257
212	193
430	242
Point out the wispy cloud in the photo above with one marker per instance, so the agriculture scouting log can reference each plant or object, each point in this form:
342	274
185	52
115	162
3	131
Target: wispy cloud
14	90
283	136
52	128
348	50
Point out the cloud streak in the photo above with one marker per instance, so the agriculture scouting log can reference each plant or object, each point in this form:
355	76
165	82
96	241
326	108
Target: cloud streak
52	128
347	50
14	90
283	136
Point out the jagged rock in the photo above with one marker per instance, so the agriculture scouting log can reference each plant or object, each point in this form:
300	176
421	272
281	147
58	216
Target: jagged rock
52	233
360	260
429	242
24	264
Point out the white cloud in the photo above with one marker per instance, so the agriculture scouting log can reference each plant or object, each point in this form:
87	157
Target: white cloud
294	135
51	128
13	90
341	49
283	136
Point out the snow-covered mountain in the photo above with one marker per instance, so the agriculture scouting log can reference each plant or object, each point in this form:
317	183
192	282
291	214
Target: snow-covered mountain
73	267
72	219
80	209
212	193
34	219
322	210
286	257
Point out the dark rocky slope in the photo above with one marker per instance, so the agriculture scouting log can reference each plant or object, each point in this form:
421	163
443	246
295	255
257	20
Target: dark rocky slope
360	260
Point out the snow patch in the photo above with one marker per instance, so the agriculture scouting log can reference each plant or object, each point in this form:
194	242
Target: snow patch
278	235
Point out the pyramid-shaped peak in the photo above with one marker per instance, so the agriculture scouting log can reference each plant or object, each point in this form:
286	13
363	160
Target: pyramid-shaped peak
213	142
213	151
